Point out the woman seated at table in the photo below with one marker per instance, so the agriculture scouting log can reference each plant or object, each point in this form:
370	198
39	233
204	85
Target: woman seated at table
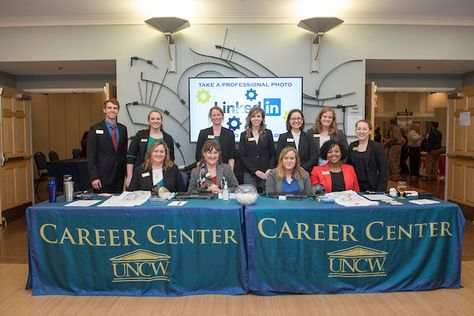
369	160
211	175
157	170
335	175
288	176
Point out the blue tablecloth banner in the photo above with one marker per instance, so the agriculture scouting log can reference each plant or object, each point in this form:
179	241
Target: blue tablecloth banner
148	250
309	247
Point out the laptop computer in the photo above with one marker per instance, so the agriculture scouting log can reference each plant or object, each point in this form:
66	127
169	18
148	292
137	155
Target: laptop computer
289	196
195	195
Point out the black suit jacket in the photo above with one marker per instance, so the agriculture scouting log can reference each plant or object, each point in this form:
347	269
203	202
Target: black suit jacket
307	151
103	162
138	147
227	143
143	180
376	166
259	156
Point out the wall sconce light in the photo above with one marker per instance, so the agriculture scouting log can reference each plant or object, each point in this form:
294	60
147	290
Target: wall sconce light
319	26
169	25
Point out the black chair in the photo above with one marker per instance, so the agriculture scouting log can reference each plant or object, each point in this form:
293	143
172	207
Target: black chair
40	161
76	153
53	156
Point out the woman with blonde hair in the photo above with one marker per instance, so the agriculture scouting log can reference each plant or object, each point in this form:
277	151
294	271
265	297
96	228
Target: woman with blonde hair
257	150
157	170
324	129
288	176
211	175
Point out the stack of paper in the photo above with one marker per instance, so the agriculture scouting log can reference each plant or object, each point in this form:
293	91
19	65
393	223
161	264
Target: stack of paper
128	199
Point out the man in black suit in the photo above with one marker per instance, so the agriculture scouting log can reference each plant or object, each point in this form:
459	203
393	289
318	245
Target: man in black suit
107	151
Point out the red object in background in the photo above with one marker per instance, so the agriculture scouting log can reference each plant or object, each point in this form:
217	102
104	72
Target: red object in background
442	165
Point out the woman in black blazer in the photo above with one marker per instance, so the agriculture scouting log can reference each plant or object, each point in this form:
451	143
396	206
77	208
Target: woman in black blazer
368	159
324	129
257	150
157	170
297	138
224	136
143	140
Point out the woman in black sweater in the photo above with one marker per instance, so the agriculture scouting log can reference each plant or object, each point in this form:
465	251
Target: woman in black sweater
368	159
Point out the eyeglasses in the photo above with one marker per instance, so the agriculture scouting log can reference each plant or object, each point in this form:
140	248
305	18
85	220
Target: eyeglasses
296	119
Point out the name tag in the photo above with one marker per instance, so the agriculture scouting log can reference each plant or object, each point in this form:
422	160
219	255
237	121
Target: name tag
210	136
324	173
99	131
251	139
143	140
282	197
355	148
147	174
290	140
208	175
317	135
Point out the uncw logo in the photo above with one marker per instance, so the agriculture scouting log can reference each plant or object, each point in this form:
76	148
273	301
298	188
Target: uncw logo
357	262
140	266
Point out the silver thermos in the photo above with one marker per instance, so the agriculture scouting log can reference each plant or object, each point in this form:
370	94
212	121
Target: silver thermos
68	190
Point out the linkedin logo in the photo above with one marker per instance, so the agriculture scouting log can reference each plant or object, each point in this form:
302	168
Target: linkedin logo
272	107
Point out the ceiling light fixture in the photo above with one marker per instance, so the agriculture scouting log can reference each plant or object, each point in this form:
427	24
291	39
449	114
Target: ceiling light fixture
319	26
169	25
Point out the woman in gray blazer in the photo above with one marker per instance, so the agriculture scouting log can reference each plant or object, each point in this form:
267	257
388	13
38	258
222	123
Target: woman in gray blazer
211	175
288	176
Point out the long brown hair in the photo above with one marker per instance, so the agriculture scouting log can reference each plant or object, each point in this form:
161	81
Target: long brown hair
167	163
318	128
280	171
248	123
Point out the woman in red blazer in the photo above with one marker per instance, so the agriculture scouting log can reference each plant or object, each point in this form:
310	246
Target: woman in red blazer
335	175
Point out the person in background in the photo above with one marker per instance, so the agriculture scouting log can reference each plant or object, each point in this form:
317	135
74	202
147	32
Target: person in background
297	138
377	135
257	150
414	149
143	140
157	170
288	176
107	151
404	153
433	147
334	175
324	129
393	144
211	175
84	144
224	136
368	159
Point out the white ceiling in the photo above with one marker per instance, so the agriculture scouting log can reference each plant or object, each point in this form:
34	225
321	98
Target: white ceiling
101	12
70	12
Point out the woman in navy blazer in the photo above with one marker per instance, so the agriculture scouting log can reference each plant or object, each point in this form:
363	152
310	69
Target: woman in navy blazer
257	150
157	170
369	159
335	175
143	140
297	138
224	136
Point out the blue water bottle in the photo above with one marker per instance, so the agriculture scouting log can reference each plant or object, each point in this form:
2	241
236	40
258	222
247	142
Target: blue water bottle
52	189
